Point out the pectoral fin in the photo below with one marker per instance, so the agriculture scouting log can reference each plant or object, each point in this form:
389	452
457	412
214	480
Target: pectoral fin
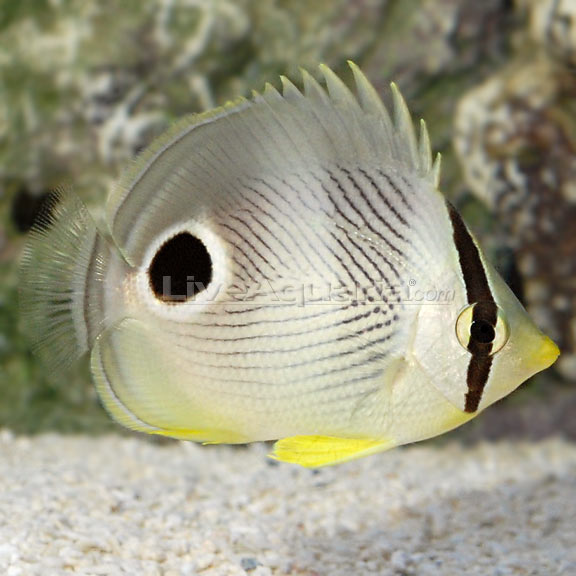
314	451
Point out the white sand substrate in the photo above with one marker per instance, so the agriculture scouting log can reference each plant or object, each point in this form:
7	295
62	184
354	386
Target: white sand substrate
122	505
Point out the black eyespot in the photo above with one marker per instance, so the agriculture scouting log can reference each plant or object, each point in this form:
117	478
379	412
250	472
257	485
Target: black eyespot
181	268
482	332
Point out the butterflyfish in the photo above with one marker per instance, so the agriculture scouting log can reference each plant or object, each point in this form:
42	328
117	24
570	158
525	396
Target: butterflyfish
281	268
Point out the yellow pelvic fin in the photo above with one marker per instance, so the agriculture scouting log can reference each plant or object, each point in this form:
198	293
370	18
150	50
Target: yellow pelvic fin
313	451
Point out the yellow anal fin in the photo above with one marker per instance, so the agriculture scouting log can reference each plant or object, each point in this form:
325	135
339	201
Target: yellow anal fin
314	451
203	436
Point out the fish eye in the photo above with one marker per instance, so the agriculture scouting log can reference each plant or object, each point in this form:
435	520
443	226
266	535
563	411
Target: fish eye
480	333
180	269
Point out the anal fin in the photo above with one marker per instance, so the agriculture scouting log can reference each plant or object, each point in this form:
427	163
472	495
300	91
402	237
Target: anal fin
315	451
204	436
140	382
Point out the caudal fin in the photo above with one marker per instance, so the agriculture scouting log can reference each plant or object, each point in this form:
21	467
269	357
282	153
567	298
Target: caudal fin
56	266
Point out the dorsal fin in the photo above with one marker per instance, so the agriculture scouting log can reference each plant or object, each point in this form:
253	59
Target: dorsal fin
312	89
339	93
274	132
290	91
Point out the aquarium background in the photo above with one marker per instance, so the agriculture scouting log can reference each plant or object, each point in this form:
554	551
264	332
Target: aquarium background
84	86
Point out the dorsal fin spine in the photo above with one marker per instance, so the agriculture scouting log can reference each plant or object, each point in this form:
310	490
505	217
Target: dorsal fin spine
425	151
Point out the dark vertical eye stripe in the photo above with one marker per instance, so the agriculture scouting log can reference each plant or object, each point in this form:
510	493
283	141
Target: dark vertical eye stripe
477	291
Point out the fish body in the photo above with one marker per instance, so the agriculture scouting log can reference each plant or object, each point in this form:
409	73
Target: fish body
282	268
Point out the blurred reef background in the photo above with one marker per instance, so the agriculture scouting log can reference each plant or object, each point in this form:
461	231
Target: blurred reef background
85	85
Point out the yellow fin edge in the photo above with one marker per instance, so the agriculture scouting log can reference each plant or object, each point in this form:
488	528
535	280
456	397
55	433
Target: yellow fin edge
202	436
315	451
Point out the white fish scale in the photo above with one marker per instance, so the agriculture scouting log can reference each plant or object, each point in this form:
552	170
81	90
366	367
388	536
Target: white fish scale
298	402
281	356
293	351
305	209
283	334
294	245
309	376
252	405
